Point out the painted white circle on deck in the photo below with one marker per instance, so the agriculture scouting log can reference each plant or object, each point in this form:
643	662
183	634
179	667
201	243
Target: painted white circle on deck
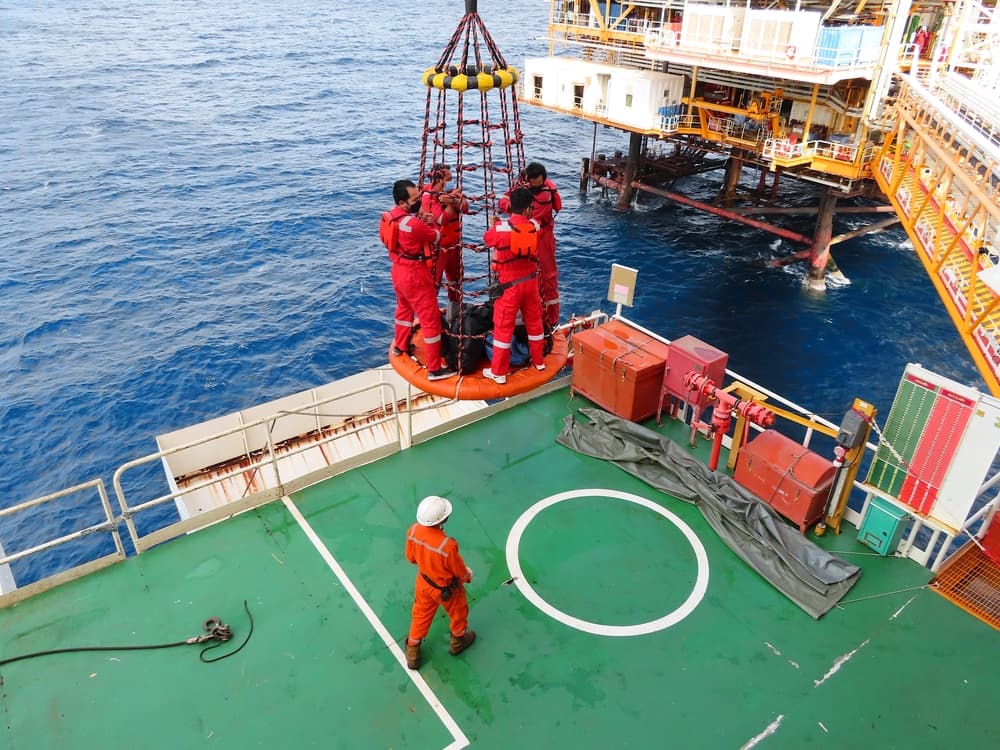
661	623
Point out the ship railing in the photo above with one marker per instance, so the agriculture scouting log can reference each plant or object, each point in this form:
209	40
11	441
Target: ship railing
587	23
929	542
744	130
673	123
265	459
781	148
977	41
833	150
787	149
670	123
977	524
810	421
826	51
738	127
975	104
983	146
109	525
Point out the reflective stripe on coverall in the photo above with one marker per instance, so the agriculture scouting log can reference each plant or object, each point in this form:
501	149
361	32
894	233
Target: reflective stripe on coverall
416	295
436	555
547	203
523	296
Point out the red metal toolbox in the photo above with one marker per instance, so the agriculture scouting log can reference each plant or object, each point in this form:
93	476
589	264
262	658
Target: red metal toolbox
787	476
620	369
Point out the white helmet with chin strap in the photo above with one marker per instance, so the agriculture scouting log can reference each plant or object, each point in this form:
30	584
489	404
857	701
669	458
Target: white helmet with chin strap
433	510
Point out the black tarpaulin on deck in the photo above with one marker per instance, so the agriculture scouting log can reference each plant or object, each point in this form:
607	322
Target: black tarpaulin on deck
810	576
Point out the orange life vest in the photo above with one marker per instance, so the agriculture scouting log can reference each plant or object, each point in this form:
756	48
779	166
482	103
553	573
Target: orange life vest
524	240
388	231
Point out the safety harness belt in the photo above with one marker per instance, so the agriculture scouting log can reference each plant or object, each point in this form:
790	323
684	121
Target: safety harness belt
496	290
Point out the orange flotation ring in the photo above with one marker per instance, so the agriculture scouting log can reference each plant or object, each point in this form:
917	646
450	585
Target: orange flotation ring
475	386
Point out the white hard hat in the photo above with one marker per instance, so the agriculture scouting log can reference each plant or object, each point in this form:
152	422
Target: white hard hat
433	510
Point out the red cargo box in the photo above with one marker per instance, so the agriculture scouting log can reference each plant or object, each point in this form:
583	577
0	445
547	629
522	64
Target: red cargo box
620	369
787	476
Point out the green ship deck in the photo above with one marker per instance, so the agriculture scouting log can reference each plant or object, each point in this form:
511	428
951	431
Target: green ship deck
895	665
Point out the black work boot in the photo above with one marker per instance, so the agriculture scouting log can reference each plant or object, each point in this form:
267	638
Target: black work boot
413	655
461	642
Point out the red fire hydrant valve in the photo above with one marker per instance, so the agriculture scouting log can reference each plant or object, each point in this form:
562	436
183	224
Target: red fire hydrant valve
722	412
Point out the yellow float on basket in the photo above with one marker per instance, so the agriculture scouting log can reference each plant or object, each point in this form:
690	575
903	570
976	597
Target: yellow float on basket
470	78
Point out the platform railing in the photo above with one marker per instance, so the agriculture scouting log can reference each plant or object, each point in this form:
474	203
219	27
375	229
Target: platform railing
400	417
782	148
108	526
268	457
927	542
730	43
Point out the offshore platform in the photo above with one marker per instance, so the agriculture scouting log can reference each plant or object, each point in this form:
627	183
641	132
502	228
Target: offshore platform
893	100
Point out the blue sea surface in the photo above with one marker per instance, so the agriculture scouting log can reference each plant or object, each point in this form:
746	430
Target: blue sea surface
189	198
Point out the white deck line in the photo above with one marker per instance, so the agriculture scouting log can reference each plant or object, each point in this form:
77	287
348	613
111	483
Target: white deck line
460	740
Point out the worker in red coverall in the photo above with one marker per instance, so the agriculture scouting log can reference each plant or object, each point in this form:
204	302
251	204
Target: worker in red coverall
441	575
515	248
447	207
921	39
412	280
547	203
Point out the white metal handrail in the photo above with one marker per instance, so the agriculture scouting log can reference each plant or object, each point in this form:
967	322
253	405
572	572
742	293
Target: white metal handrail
108	525
979	143
782	148
270	456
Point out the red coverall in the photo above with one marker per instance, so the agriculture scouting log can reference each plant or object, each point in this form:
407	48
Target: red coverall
449	220
436	555
546	205
523	296
414	285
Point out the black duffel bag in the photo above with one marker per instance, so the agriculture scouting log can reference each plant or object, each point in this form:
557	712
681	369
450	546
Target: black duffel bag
463	344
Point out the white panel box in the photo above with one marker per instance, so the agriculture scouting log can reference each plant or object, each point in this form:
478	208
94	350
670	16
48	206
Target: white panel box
713	28
780	35
636	96
567	83
976	453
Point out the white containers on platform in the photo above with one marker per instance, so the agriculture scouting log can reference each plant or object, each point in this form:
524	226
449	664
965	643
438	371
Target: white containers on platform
713	28
621	95
636	96
780	35
566	83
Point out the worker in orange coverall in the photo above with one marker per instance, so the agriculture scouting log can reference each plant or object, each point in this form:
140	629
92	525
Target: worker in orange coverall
412	280
547	203
447	207
515	246
441	575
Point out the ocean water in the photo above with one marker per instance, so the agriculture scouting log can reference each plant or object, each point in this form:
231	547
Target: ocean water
189	198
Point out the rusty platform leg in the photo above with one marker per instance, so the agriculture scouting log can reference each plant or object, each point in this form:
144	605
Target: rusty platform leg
631	171
820	255
734	168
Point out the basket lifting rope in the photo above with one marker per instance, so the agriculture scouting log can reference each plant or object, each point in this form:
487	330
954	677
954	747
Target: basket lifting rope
485	154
